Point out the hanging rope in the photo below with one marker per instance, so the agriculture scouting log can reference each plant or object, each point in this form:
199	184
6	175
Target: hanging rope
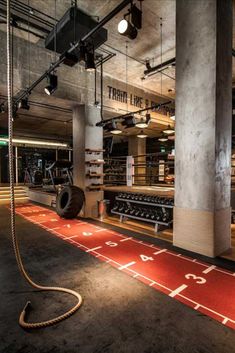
22	321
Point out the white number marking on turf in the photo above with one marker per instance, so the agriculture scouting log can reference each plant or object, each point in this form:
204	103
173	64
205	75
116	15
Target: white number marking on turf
146	258
87	234
111	243
199	280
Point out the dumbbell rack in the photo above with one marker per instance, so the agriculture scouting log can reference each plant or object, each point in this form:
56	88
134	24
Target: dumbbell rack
124	216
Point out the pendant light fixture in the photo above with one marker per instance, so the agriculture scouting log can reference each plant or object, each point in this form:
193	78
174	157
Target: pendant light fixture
169	130
163	138
143	123
112	127
142	135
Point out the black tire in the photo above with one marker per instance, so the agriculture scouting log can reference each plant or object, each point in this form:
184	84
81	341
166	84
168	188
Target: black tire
69	202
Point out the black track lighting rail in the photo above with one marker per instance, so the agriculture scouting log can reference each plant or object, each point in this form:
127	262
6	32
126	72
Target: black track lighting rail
155	69
56	64
124	116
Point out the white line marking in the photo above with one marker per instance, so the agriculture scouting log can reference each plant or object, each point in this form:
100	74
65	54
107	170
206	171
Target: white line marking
177	290
136	275
72	236
179	255
209	269
225	321
125	239
99	230
194	260
159	252
98	247
197	306
107	261
151	284
127	265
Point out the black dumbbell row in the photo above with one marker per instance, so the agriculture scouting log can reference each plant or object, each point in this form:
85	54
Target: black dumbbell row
147	198
155	214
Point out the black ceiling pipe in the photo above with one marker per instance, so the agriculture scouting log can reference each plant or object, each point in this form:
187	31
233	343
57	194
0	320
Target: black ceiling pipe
160	66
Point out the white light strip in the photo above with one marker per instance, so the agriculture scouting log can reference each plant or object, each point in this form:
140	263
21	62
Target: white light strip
35	142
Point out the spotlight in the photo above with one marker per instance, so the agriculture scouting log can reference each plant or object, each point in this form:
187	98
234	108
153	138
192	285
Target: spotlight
24	104
2	108
142	135
148	66
169	130
89	61
53	81
143	123
125	28
82	52
112	127
129	121
163	138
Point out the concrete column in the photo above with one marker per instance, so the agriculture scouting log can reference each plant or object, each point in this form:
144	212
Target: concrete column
203	126
137	147
87	136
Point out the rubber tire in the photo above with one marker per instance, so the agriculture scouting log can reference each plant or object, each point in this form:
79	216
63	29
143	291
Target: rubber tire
69	202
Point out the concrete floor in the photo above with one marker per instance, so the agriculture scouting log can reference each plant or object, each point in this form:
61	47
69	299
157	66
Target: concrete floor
119	314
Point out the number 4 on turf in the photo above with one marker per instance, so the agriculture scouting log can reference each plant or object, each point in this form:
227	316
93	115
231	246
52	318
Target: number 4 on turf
146	258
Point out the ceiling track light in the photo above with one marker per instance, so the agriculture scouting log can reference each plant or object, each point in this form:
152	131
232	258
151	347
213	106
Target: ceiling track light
112	127
24	104
129	121
143	123
2	108
125	28
53	82
90	61
129	27
169	130
142	135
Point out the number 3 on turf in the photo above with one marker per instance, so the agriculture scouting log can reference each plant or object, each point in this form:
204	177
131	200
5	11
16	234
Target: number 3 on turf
146	258
199	280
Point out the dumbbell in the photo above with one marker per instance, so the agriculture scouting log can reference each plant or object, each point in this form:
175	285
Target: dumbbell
115	207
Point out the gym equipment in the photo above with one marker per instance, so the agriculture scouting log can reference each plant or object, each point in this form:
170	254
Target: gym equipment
62	167
71	311
69	201
145	207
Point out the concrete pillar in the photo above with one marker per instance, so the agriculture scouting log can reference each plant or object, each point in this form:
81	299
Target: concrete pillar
203	126
137	147
87	136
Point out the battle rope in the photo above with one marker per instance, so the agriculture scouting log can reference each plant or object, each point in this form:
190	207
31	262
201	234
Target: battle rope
22	321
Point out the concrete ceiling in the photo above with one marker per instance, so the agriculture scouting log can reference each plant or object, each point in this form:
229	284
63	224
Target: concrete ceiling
147	45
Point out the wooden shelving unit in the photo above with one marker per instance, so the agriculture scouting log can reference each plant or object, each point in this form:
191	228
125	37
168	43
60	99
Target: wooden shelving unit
94	170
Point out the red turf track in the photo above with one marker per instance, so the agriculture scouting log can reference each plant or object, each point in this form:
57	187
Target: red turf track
203	287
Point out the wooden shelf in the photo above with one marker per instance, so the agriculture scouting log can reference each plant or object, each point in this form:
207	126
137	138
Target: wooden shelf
96	151
94	162
95	175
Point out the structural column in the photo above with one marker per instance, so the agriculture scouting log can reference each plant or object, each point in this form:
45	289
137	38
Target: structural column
86	135
202	214
137	147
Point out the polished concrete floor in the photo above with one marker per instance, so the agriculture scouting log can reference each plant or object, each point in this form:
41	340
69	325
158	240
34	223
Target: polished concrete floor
119	314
